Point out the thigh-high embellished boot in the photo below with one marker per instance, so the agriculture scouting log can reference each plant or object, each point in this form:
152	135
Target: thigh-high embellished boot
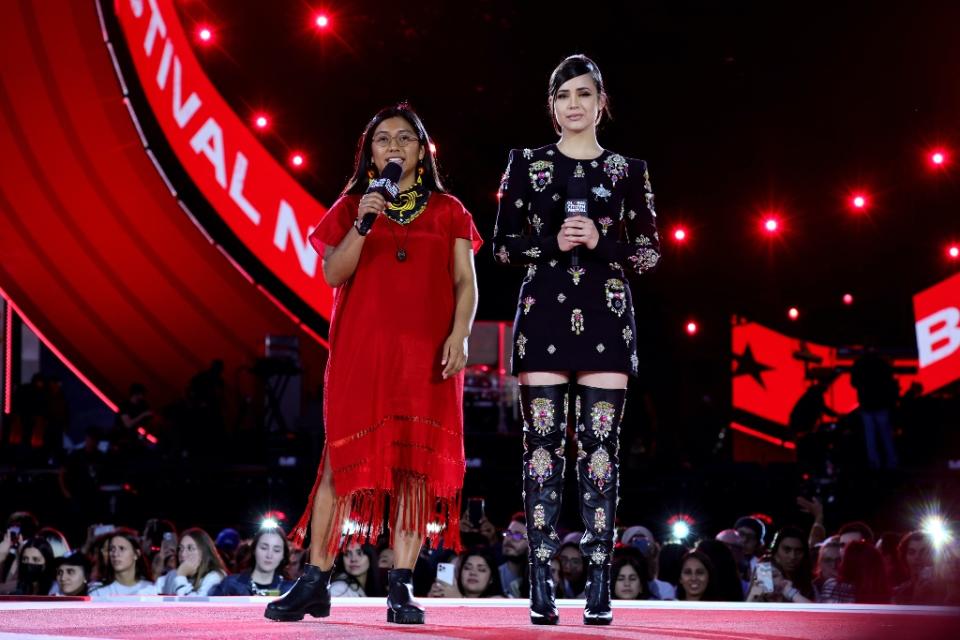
599	412
544	411
310	594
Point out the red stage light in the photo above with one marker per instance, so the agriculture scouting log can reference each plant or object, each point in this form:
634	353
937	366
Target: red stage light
205	34
771	224
692	328
953	251
858	201
847	298
793	313
297	160
680	234
322	21
938	158
261	122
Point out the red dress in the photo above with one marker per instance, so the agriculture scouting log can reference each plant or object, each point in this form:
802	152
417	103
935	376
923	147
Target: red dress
394	427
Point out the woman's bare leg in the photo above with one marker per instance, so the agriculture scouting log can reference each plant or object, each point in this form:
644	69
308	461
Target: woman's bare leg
321	521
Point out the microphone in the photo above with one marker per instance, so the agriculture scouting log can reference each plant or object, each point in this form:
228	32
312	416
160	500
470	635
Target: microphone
386	185
576	205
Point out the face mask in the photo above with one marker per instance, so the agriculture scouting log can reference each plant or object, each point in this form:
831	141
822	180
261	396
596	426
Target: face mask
31	572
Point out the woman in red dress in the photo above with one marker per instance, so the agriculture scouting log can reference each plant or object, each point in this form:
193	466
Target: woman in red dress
404	301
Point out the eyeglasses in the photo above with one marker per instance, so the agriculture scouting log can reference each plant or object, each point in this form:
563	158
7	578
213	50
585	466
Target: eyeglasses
403	139
514	535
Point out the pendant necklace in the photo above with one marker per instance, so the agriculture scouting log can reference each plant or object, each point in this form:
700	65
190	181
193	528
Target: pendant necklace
401	246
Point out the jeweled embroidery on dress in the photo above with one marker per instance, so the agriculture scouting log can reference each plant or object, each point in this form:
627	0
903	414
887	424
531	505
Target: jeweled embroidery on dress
576	321
616	168
644	259
593	163
601	193
598	557
650	204
616	294
539	516
646	181
533	252
627	334
561	298
552	263
631	214
531	271
578	171
503	255
536	223
602	414
518	203
555	197
551	349
599	468
527	153
576	273
599	520
521	345
634	362
542	414
541	174
605	223
540	465
543	553
528	302
601	348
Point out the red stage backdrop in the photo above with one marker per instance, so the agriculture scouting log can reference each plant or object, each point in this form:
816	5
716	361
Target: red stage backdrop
937	311
769	373
262	204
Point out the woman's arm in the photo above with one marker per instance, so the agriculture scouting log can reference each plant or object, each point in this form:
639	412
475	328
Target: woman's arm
637	246
340	262
465	292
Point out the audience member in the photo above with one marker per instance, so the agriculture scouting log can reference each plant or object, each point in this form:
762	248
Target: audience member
72	574
199	566
515	552
128	573
263	574
356	572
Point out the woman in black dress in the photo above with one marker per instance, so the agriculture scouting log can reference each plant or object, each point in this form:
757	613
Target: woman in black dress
580	218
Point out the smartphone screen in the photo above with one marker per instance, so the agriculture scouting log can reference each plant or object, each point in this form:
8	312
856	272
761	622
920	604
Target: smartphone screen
475	511
765	576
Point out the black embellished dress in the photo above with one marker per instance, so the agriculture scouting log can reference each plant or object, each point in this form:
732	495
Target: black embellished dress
575	318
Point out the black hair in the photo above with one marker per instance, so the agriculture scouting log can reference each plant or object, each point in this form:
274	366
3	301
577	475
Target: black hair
712	592
282	567
640	565
363	163
494	588
45	580
372	587
803	576
726	576
571	67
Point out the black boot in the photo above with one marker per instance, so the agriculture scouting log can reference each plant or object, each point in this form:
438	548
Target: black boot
544	412
401	607
310	594
599	412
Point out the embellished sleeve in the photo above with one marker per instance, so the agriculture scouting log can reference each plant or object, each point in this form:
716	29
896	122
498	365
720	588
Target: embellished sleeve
637	246
516	237
335	224
463	227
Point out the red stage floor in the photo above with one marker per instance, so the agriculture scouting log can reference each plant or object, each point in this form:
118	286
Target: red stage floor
361	619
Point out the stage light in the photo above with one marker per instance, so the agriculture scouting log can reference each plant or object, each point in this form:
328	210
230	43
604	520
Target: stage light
937	530
858	202
269	523
297	160
771	224
847	298
205	34
793	313
261	122
938	158
679	234
322	21
692	328
953	251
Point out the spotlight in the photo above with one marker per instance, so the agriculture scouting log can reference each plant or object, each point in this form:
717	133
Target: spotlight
793	313
679	234
953	251
859	202
261	122
269	523
297	160
937	530
847	299
692	328
322	21
681	527
938	158
205	34
771	224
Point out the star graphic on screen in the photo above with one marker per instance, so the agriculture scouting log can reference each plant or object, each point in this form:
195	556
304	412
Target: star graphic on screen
747	365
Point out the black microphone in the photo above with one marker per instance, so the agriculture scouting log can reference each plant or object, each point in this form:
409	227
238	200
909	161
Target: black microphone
576	205
386	185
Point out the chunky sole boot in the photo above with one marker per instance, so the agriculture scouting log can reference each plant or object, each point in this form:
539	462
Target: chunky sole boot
544	410
401	606
309	595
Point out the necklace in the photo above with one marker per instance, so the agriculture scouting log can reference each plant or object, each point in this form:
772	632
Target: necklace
405	209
